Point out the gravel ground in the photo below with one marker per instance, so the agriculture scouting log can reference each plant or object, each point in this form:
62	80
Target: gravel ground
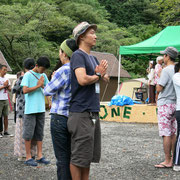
129	152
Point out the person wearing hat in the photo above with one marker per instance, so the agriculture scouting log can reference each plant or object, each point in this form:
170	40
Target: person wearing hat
60	89
19	144
83	121
166	106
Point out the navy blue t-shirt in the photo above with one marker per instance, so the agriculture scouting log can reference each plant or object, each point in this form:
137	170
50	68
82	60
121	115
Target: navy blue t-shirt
84	98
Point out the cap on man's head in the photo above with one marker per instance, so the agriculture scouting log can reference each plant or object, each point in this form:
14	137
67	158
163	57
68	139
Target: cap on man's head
171	51
82	28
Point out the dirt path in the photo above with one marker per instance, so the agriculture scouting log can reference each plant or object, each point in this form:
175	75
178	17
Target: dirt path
129	152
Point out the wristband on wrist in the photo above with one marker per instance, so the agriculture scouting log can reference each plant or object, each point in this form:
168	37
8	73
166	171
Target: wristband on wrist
98	74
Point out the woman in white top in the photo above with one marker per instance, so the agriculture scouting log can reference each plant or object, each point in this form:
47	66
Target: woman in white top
158	69
176	82
151	83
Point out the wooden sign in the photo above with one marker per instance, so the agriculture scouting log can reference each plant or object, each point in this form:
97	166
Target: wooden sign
141	113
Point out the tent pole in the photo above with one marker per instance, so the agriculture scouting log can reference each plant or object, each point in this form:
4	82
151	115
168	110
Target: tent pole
119	73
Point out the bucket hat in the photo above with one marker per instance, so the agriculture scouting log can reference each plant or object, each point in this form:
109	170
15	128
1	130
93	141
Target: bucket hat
82	28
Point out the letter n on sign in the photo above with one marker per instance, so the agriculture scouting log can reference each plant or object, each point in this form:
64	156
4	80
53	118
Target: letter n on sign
113	111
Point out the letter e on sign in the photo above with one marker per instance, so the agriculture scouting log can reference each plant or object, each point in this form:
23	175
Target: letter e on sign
126	112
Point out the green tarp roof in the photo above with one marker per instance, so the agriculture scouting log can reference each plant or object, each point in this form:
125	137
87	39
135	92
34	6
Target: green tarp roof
170	36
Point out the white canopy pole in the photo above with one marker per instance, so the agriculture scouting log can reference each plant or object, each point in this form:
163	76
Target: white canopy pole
119	73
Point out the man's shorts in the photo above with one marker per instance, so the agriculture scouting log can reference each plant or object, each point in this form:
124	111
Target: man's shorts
85	138
4	107
33	126
166	120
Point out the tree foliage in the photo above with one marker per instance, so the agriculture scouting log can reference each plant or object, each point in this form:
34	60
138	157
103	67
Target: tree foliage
25	31
169	12
131	12
31	28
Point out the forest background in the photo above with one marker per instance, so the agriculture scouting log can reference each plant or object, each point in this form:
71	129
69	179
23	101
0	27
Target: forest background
32	28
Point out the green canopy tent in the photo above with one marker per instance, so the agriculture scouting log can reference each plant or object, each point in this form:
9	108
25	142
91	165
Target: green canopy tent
170	36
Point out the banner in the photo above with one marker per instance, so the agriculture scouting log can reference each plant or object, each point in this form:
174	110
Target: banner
135	113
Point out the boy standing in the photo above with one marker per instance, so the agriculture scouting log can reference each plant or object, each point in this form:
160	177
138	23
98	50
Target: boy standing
34	115
4	88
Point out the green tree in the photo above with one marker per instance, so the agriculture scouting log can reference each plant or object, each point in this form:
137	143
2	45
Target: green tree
131	12
83	11
24	31
31	28
169	12
110	39
6	2
136	66
143	32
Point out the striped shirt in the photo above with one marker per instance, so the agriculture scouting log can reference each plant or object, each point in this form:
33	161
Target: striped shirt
60	90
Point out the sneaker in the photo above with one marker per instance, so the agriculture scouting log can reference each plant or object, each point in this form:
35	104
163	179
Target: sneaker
31	162
43	161
7	134
1	135
176	168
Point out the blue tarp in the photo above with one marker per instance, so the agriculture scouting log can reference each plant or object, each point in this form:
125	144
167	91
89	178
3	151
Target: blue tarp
120	100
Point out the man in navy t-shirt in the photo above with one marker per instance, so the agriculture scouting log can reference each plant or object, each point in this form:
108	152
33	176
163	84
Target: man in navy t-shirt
83	122
84	97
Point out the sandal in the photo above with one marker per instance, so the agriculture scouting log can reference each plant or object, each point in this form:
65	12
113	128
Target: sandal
31	162
161	165
43	161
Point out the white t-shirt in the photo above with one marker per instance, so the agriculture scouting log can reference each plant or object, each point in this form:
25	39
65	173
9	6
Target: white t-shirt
151	76
3	92
176	82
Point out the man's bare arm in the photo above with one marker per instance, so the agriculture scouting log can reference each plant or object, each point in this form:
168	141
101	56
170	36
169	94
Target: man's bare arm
40	83
159	88
84	79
